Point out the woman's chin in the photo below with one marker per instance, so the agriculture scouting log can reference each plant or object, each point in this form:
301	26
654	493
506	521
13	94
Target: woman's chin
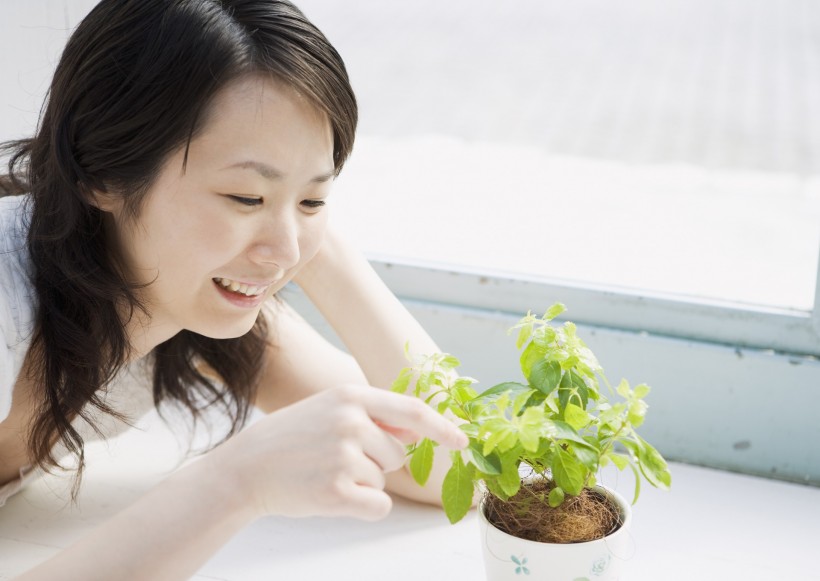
231	330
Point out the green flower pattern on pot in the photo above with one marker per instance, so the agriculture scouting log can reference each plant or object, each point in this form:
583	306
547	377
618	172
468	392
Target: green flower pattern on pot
522	565
600	565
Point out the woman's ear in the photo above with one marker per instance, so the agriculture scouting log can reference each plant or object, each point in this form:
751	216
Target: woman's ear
104	201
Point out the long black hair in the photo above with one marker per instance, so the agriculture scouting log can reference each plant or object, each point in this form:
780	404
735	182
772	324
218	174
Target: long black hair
133	85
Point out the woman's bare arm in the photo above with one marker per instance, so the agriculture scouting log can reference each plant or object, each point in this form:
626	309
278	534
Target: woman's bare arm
167	534
374	326
370	320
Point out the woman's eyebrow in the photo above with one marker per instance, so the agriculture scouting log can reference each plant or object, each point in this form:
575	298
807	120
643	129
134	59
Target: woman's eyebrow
271	173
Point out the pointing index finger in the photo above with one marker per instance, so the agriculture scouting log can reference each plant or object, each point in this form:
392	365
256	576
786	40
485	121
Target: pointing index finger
408	413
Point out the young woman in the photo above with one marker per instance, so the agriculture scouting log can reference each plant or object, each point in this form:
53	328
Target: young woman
178	179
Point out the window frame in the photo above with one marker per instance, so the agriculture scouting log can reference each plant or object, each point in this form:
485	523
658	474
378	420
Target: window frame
780	330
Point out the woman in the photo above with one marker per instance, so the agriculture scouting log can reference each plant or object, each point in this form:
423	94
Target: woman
177	181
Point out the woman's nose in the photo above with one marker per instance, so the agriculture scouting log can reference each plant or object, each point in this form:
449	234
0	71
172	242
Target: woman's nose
276	244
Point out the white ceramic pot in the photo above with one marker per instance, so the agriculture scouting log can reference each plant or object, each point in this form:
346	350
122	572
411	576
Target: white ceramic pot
508	558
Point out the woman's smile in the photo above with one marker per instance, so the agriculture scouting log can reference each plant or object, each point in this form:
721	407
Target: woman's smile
250	289
251	297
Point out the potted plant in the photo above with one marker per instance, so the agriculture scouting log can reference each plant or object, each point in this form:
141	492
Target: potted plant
535	449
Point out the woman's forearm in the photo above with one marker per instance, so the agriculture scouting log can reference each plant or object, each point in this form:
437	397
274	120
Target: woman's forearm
369	319
374	326
166	535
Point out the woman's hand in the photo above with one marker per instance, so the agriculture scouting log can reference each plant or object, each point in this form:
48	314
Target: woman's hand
328	454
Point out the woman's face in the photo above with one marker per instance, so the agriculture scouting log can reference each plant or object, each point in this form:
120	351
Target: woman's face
219	238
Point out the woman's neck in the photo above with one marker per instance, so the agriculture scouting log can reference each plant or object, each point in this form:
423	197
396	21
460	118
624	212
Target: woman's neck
144	334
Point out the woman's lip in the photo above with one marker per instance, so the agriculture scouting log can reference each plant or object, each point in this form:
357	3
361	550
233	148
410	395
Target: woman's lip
259	283
238	299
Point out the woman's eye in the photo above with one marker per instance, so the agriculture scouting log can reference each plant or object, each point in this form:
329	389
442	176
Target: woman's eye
245	200
313	203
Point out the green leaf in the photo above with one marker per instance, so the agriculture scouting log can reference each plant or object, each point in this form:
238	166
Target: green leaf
529	356
402	381
623	389
653	466
500	432
509	480
619	460
588	456
457	489
503	402
611	416
563	431
496	391
495	488
463	393
565	390
576	417
568	473
471	430
558	355
421	463
637	412
520	401
556	497
458	412
529	440
637	482
449	362
489	464
581	387
570	362
555	310
422	384
531	426
544	337
443	405
545	375
641	391
572	389
524	334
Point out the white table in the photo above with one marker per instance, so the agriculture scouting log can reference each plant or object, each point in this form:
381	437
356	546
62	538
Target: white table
713	525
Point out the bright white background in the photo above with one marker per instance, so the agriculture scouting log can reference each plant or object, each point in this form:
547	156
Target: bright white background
662	146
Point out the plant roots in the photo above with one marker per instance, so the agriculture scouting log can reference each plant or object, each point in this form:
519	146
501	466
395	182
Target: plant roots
528	515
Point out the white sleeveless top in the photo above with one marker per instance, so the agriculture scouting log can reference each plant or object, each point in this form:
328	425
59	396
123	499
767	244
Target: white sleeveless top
129	393
16	294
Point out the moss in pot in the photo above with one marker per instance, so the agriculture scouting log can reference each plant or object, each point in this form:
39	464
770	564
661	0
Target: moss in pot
556	428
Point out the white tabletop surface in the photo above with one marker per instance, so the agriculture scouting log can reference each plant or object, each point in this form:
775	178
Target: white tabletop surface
712	525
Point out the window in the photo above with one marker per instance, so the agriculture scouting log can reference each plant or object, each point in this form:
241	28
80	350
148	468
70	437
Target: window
643	161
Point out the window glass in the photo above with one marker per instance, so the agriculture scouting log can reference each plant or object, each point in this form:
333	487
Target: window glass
668	147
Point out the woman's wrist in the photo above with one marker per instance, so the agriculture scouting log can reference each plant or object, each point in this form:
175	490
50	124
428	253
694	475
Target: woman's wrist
224	484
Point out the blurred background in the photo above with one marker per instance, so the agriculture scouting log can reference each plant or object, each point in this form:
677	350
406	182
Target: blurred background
665	146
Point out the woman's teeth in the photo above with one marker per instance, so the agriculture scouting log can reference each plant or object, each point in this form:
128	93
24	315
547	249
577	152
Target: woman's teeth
247	290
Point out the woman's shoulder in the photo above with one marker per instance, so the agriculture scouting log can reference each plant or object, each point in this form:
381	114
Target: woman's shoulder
17	299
